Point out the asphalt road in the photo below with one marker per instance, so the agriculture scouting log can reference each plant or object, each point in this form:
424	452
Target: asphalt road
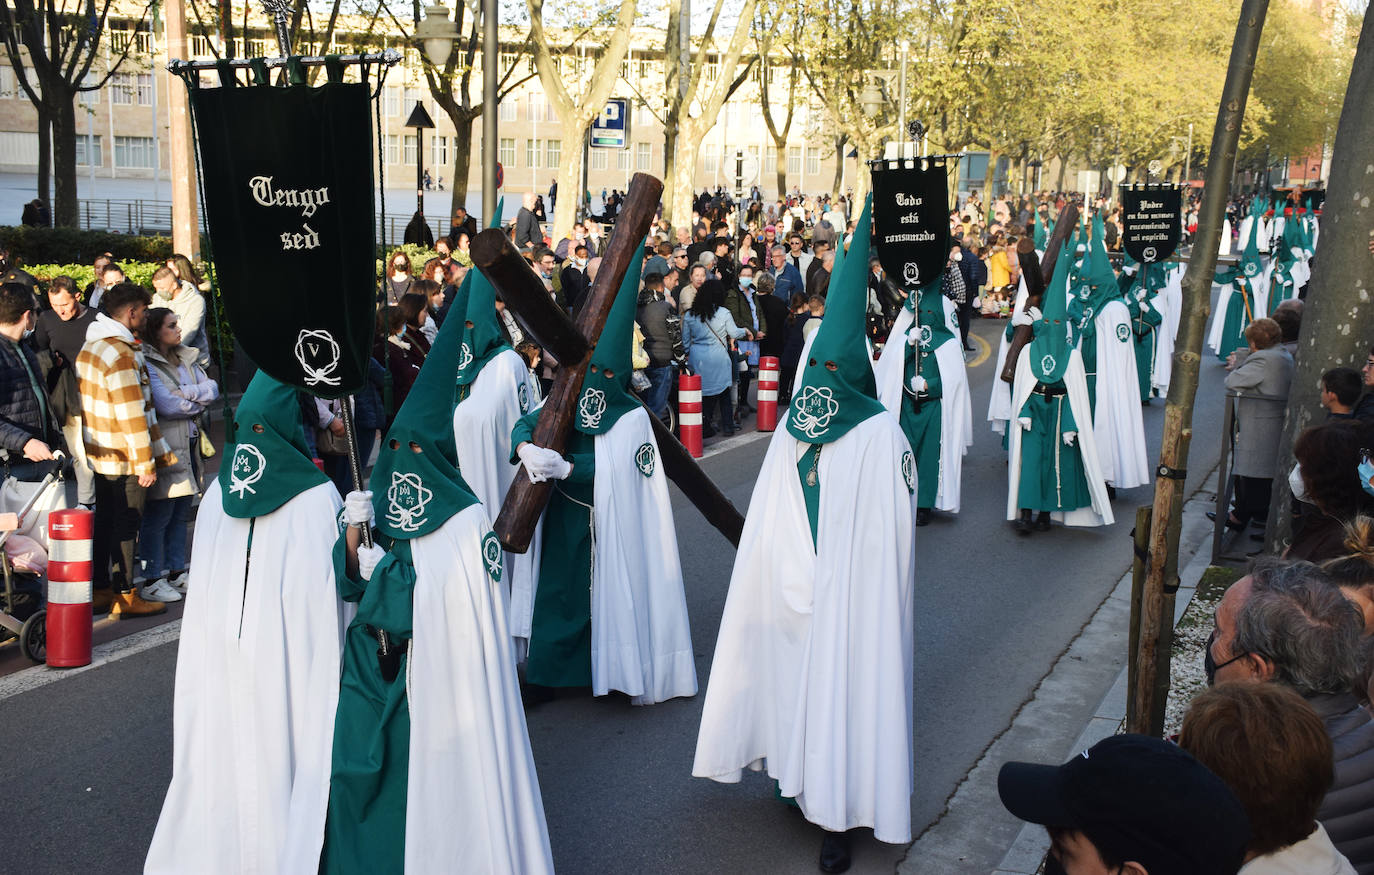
88	758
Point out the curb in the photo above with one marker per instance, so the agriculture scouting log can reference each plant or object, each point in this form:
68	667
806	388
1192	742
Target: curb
974	831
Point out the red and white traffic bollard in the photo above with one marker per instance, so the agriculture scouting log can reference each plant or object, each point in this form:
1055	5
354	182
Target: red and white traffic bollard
69	587
767	417
689	412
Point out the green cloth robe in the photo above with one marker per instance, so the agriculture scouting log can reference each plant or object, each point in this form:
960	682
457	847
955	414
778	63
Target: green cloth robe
1144	323
560	650
920	419
365	830
1052	475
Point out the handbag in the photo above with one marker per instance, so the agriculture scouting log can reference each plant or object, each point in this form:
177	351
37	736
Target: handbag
207	447
329	444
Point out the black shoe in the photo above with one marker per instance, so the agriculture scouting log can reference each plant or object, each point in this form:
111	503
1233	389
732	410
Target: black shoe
730	432
835	852
536	694
1022	523
1257	536
1042	523
1231	523
708	432
922	516
1111	492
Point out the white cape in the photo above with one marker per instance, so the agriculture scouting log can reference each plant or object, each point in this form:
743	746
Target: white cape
1260	304
1099	513
1117	425
257	685
472	796
825	706
482	424
956	431
1169	303
641	637
999	405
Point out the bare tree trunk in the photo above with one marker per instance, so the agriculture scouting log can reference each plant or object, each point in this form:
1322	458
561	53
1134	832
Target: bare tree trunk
570	190
1337	322
1145	711
780	168
989	177
45	154
65	213
840	141
1063	167
462	159
672	168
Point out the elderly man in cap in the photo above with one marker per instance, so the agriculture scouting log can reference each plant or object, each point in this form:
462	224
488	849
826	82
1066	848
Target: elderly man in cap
1288	622
1130	804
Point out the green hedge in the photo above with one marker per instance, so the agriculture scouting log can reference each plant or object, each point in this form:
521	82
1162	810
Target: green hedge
35	246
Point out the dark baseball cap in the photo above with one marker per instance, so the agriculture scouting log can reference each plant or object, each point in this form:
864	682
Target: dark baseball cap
1138	799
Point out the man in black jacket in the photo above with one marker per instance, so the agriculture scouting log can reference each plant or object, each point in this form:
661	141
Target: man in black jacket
60	334
527	233
656	320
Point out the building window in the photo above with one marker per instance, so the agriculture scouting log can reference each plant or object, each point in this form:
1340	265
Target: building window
438	150
85	159
813	160
412	97
643	155
506	152
201	46
510	109
145	89
408	155
86	98
598	159
9	85
393	150
731	114
554	154
712	68
505	62
710	163
393	102
534	108
533	151
622	159
770	160
134	152
122	89
549	114
794	158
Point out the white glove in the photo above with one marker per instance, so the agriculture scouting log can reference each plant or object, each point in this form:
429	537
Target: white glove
1035	314
358	508
1140	295
1024	422
1021	319
918	383
368	558
535	460
1070	437
913	336
559	467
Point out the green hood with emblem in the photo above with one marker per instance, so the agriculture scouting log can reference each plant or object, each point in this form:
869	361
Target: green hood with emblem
605	395
836	389
267	463
416	485
1250	264
1049	351
1097	283
483	338
929	305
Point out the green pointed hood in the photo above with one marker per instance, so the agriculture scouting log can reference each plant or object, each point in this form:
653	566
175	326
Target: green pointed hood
413	493
482	338
930	315
1049	351
267	464
1098	276
836	389
1250	264
605	393
1042	236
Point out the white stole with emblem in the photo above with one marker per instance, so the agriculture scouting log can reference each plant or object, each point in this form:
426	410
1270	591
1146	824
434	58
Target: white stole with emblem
641	639
812	677
472	796
482	424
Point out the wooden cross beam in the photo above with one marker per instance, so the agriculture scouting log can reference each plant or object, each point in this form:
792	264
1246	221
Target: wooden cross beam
1037	278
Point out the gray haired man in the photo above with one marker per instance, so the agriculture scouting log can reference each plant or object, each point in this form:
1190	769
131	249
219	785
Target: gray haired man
1288	623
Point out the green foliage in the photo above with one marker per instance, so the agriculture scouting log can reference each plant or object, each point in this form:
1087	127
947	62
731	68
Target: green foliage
34	246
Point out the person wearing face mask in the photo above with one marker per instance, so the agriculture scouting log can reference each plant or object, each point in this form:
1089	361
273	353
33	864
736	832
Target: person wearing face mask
575	281
29	433
743	303
58	338
397	280
1328	479
183	299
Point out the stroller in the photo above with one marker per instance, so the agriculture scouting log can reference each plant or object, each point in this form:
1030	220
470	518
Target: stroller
32	629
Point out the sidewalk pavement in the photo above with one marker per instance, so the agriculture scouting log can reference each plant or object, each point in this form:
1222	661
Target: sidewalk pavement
976	834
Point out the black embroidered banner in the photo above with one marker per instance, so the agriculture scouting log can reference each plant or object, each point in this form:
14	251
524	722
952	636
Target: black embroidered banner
288	200
911	218
1151	221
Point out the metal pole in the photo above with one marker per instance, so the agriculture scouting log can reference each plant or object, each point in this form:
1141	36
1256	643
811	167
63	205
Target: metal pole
1188	156
420	170
901	104
491	46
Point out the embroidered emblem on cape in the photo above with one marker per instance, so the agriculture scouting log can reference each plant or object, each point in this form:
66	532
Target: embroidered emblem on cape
1149	253
1250	268
247	468
406	499
491	555
341	521
591	407
1047	364
909	471
464	357
644	459
816	407
910	304
317	352
926	335
911	273
1123	332
524	395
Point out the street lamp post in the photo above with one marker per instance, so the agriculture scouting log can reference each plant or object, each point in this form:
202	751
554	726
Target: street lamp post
420	121
901	101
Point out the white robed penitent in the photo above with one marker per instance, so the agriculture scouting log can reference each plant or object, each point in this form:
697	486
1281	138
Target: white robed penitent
472	794
1117	424
999	404
812	676
956	432
257	685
